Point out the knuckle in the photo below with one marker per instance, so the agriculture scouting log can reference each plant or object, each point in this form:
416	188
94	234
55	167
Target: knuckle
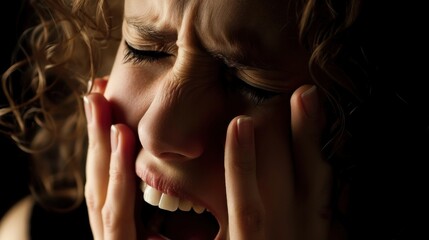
110	221
95	146
116	177
116	222
92	143
252	218
244	166
91	200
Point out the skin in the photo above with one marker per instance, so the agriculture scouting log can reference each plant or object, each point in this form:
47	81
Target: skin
172	123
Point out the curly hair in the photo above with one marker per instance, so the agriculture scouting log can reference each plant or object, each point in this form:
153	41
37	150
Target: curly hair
58	58
62	53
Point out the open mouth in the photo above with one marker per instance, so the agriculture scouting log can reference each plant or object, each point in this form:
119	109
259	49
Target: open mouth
168	217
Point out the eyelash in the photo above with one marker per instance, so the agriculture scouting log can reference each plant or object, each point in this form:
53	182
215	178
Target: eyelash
136	56
254	94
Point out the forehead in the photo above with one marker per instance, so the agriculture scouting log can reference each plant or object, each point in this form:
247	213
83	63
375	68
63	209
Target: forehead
231	26
222	10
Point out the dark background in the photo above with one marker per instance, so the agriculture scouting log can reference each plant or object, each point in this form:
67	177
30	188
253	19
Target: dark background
390	181
13	163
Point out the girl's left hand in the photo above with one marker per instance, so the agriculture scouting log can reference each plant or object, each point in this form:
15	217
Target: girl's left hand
311	178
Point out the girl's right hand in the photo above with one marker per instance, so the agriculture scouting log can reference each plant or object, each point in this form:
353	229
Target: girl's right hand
110	187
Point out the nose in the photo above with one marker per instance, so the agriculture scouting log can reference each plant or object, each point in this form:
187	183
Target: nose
180	119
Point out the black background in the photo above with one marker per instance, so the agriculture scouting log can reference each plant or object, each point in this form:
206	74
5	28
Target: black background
13	163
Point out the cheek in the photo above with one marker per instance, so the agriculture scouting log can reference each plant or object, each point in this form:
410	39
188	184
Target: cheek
128	94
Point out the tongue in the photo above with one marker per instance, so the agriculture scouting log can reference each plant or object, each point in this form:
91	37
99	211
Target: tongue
189	226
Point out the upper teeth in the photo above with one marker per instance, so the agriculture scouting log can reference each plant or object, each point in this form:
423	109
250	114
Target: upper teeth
168	202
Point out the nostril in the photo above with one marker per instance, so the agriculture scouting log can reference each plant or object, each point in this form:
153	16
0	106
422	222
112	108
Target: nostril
167	148
168	156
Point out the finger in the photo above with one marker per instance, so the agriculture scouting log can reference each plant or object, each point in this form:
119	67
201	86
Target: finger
118	211
245	210
97	163
313	173
98	85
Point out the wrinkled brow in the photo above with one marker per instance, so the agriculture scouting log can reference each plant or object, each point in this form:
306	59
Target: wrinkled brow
230	61
149	32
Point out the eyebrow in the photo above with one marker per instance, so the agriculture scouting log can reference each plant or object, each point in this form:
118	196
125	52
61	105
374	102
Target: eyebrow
230	61
238	56
150	33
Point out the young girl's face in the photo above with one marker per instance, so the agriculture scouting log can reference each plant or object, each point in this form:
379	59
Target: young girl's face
183	70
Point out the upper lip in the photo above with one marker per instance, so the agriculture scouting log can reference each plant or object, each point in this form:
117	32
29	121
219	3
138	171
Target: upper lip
167	186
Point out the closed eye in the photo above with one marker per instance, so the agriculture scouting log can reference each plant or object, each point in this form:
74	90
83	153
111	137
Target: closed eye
255	95
137	56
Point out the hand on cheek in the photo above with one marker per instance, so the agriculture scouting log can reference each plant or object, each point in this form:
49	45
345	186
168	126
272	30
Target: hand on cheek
312	178
110	179
313	175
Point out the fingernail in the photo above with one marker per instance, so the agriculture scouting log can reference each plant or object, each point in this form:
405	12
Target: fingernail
88	109
310	100
245	130
89	85
113	138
